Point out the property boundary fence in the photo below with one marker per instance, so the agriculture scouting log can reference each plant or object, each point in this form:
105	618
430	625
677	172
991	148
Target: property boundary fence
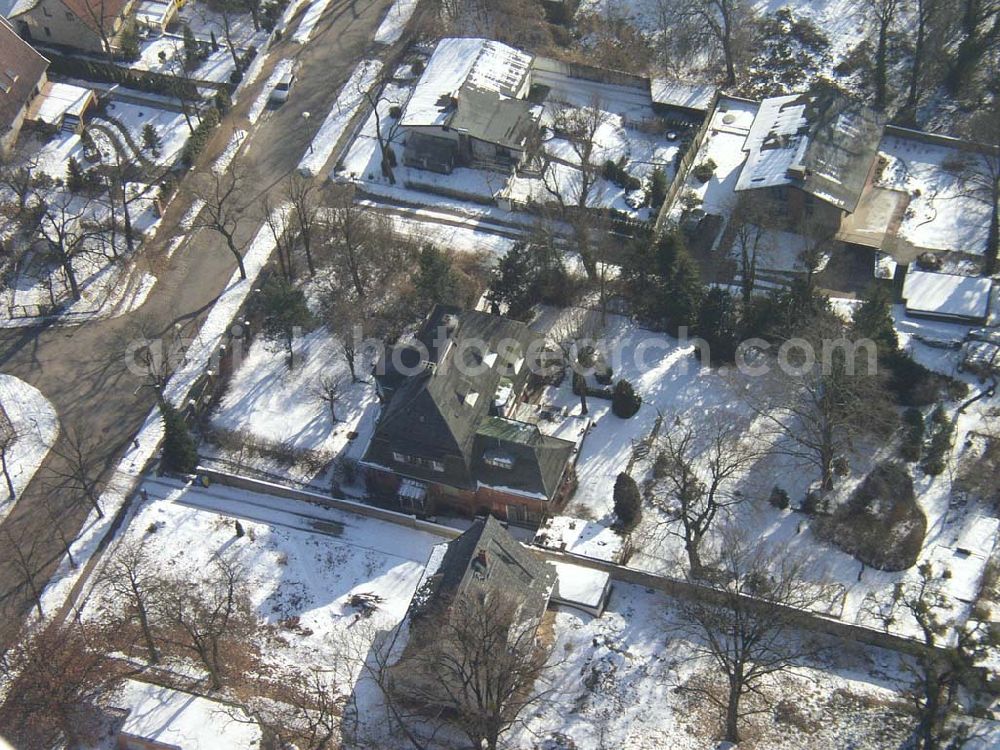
674	587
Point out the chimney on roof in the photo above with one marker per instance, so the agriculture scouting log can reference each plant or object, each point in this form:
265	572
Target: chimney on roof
479	564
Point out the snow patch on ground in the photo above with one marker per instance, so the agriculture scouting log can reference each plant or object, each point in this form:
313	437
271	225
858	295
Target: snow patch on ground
229	153
310	18
340	116
35	427
394	23
301	560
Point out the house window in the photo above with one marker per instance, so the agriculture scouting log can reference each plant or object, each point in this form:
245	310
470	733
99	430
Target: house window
48	32
69	16
517	513
498	460
426	463
45	12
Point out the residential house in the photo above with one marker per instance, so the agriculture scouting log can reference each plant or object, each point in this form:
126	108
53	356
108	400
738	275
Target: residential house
445	438
469	108
812	155
485	565
22	77
86	25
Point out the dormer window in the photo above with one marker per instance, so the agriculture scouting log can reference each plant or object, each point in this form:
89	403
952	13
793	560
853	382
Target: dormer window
498	460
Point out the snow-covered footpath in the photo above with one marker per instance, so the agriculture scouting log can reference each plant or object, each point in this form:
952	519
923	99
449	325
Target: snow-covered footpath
122	482
35	429
341	114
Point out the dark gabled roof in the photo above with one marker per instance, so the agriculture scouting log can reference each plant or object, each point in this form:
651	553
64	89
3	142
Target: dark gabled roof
534	462
487	554
437	411
487	117
21	70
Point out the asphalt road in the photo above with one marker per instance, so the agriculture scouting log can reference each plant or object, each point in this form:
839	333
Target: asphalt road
81	369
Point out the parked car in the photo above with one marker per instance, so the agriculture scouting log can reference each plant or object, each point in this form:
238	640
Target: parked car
282	88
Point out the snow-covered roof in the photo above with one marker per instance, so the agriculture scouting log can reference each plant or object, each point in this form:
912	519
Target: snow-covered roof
177	719
483	64
675	93
155	12
947	295
581	587
59	99
822	143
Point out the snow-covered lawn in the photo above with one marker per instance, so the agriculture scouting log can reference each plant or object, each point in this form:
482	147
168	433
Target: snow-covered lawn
216	67
672	383
615	680
941	214
205	22
170	126
108	285
295	566
278	407
35	427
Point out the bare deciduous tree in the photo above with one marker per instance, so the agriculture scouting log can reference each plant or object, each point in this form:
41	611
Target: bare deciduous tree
59	679
385	132
480	666
8	436
279	223
979	174
361	244
748	633
698	469
133	579
67	227
224	210
579	126
210	618
303	194
327	390
26	560
883	13
719	24
824	396
749	221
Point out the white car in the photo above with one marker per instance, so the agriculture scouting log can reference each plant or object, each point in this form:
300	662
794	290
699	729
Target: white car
282	88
